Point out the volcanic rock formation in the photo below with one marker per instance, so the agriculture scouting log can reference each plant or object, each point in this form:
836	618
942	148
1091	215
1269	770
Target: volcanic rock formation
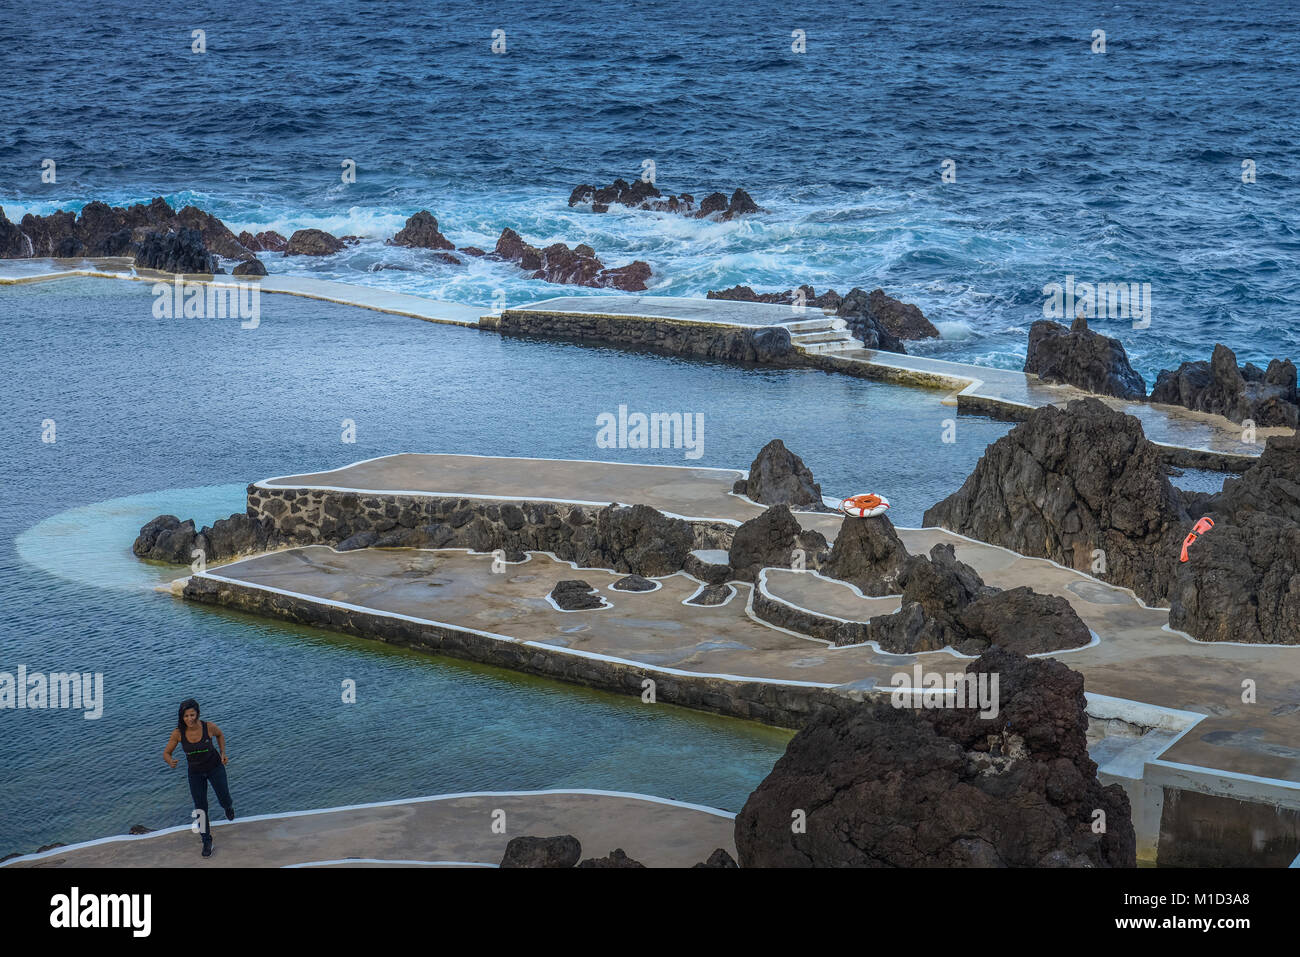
576	267
1265	396
1082	358
640	194
885	786
779	477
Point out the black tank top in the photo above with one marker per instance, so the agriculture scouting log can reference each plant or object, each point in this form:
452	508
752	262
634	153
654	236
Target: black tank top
200	754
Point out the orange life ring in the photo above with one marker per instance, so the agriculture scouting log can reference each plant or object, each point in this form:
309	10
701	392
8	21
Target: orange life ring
868	505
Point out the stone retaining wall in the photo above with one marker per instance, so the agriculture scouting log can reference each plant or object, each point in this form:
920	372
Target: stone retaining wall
634	538
781	706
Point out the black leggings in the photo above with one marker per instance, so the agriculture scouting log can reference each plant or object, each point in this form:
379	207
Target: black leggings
199	791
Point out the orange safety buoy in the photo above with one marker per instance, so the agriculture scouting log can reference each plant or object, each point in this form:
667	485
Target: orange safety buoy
1203	525
865	506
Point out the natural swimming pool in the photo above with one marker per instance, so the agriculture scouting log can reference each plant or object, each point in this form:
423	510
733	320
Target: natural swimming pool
178	416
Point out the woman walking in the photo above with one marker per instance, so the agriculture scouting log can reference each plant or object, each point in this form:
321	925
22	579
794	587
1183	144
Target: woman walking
206	755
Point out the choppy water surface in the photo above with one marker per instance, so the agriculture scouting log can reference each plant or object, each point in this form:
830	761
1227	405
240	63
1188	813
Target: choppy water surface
1123	166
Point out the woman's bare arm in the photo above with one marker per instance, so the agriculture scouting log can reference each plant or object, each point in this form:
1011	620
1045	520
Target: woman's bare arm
172	741
221	741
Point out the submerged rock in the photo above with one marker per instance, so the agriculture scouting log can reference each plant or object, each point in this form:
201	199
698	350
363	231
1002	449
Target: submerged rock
885	786
1082	358
1265	396
562	851
312	242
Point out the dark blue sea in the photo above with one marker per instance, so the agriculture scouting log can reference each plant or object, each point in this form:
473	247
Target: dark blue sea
1122	166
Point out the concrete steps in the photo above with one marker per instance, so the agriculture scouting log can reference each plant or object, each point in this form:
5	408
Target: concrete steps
825	334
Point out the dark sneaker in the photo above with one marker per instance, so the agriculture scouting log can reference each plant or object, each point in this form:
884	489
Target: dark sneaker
230	813
207	850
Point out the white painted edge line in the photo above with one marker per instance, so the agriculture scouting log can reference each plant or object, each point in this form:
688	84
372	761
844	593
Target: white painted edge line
317	600
380	860
1204	771
597	792
226	281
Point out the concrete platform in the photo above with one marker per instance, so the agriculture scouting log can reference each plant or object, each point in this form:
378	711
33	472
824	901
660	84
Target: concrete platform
1135	657
450	830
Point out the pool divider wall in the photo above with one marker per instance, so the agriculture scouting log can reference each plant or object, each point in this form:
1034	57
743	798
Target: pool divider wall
771	703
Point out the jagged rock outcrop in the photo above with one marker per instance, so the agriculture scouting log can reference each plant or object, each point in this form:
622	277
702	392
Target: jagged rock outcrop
103	230
179	251
857	311
900	320
1081	486
1242	578
640	194
719	858
869	554
828	301
168	539
770	540
1265	396
615	858
562	851
885	786
779	477
1082	358
268	241
945	603
576	267
421	231
575	595
14	243
312	242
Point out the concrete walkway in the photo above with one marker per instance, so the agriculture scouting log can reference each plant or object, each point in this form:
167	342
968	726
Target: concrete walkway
1192	439
450	830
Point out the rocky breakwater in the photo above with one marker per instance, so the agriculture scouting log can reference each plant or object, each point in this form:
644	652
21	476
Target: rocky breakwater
1266	397
640	194
1083	487
154	234
575	267
885	786
1082	358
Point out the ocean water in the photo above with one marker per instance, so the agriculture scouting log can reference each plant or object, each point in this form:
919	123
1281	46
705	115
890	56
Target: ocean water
158	416
1122	166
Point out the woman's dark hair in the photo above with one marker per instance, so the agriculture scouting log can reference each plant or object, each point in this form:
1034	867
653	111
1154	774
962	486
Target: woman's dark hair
180	712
